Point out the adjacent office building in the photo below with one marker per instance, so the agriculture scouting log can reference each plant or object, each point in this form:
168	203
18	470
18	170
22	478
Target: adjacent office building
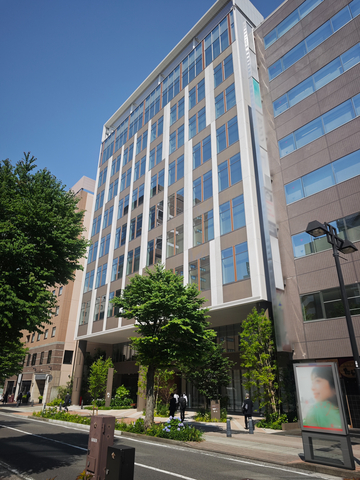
50	362
308	55
181	180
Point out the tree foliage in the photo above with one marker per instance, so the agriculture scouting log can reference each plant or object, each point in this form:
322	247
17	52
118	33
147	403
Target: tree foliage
11	359
171	324
213	374
98	378
41	243
257	356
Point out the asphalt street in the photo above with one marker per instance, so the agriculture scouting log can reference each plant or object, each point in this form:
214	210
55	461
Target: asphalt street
37	450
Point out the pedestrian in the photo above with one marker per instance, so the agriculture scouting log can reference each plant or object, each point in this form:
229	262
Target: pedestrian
247	408
172	405
19	399
176	396
5	397
28	396
182	405
67	402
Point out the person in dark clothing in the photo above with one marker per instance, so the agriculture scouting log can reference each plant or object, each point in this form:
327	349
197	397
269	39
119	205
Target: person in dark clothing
182	405
172	405
247	407
5	397
28	396
67	402
19	399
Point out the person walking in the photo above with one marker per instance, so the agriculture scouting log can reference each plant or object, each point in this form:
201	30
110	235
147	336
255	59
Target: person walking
182	405
5	398
247	408
172	405
67	402
19	399
176	396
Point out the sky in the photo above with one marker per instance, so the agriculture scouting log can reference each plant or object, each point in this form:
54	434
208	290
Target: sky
68	65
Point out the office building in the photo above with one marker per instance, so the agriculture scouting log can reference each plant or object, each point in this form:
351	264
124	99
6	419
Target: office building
180	181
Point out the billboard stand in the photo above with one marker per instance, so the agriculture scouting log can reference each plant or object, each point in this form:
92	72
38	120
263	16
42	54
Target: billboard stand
322	417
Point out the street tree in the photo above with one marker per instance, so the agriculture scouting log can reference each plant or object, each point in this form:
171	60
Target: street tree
41	242
98	378
213	374
171	324
11	359
258	358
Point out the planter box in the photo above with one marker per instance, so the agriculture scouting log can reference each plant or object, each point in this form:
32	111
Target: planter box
290	426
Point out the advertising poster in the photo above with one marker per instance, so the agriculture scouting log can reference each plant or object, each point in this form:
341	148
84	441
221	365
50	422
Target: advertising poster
319	398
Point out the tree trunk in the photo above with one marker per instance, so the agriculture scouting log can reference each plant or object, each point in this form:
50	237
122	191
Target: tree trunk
150	397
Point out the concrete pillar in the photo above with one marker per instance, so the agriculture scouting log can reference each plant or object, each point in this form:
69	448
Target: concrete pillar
78	371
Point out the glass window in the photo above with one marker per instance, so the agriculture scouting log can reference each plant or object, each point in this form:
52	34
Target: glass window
319	36
228	66
351	57
181	108
318	180
129	262
294	191
341	18
275	69
301	91
302	245
206	148
308	6
221	138
233	131
287	23
286	145
355	7
172	172
238	212
197	231
196	156
197	198
208	226
328	73
180	167
192	127
270	38
280	105
201	119
311	306
356	102
227	264
347	167
223	176
352	223
181	136
207	185
235	169
219	105
218	75
308	133
338	116
225	218
230	97
192	98
242	261
294	55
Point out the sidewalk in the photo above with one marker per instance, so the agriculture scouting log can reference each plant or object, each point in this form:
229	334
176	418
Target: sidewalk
269	446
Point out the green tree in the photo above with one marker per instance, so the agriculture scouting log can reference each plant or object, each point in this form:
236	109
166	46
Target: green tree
41	243
171	324
213	374
98	378
257	356
11	359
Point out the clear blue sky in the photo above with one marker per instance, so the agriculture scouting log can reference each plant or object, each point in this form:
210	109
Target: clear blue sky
68	65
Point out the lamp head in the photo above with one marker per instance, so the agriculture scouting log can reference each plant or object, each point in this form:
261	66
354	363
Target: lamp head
347	247
316	229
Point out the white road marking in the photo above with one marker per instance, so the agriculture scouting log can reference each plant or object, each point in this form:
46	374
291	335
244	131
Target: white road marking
165	471
16	472
215	455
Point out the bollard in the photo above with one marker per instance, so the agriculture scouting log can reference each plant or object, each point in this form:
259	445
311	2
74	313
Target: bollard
32	403
82	404
120	463
251	425
60	406
44	408
228	428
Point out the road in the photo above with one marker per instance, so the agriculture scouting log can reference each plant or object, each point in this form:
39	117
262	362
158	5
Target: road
39	450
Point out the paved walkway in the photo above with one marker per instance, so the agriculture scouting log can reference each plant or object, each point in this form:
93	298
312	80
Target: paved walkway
271	446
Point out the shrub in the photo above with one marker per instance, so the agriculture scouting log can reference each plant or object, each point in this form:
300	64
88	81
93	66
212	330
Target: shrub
175	430
205	416
162	410
55	403
55	414
273	420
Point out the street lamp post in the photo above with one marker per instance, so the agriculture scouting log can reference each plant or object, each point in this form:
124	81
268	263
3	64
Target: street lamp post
317	229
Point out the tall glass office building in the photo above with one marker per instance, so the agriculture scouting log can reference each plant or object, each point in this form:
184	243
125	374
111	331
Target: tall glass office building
183	179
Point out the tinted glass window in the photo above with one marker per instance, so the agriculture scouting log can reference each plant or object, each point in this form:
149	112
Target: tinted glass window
328	73
304	89
318	180
338	116
309	133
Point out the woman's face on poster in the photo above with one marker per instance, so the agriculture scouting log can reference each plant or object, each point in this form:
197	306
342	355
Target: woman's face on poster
321	389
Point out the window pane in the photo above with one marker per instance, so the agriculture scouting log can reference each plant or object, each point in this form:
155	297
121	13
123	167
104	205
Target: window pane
201	119
197	230
221	139
308	133
275	69
356	102
280	105
238	212
204	274
207	185
206	148
319	36
228	66
192	127
355	7
173	114
179	201
233	131
321	244
196	156
328	73
230	97
303	90
341	18
307	6
217	75
225	218
227	264
288	23
208	226
347	167
318	180
223	176
242	261
179	239
353	227
294	191
270	38
201	90
197	191
192	98
235	169
311	307
172	173
193	273
219	105
302	245
351	57
294	55
286	145
338	116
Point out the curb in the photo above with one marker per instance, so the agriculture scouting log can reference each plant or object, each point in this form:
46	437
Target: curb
328	470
